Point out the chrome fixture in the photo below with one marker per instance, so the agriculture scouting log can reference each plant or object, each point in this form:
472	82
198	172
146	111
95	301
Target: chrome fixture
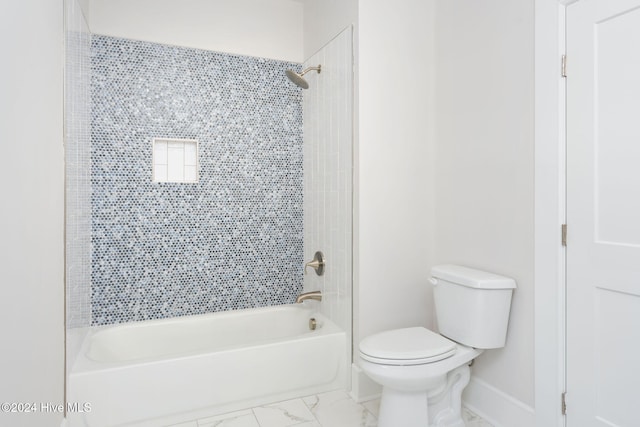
316	295
313	324
317	263
297	77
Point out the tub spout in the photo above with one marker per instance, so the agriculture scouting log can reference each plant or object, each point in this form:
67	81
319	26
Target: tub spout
316	295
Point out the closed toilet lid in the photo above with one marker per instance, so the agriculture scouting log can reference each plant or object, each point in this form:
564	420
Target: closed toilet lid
407	346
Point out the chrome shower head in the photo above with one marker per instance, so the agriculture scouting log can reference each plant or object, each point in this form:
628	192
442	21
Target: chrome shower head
297	77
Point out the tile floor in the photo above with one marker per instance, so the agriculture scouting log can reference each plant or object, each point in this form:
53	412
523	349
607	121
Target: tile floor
333	409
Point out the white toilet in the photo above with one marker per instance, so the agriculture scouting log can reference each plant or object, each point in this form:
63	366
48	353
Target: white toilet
423	373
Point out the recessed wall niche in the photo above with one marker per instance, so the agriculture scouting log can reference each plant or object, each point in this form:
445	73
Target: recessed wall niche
175	160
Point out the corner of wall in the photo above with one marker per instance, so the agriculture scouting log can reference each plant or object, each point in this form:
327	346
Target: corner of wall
363	388
495	406
85	6
32	243
323	20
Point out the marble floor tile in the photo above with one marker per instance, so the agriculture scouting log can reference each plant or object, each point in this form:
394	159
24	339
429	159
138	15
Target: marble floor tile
372	406
337	409
187	424
473	420
284	414
332	409
232	419
309	424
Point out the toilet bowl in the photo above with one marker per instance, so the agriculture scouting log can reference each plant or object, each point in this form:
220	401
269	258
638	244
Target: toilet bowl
423	373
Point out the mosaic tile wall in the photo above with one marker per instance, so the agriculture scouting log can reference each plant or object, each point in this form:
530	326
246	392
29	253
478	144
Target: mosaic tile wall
77	140
233	240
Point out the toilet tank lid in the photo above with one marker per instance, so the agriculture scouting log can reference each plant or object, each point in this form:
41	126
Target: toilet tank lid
472	278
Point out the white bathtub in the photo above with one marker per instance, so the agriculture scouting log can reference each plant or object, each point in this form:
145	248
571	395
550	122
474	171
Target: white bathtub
178	369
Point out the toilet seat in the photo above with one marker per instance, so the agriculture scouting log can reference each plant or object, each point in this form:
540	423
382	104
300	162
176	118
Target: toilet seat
407	346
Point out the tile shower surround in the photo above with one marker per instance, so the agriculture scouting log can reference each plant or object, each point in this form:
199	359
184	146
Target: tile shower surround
77	125
233	240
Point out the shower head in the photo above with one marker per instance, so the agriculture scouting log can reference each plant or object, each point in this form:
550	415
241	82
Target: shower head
298	79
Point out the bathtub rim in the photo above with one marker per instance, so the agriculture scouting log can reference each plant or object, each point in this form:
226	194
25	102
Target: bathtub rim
84	364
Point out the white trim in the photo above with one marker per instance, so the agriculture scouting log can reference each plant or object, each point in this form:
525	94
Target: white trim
363	388
497	407
550	203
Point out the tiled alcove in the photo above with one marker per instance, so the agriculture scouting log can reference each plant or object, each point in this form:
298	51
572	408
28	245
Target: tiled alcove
232	240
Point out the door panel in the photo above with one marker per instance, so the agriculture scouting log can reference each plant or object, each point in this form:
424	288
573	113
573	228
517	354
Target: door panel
613	312
617	149
603	213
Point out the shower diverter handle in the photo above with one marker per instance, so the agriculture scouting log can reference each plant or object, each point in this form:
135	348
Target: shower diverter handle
317	264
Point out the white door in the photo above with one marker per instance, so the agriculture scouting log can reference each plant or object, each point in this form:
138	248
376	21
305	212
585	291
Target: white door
603	213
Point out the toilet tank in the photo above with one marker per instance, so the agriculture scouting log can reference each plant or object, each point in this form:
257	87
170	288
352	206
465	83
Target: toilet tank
472	306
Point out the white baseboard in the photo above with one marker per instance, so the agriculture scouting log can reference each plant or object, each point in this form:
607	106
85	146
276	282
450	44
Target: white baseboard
363	388
497	407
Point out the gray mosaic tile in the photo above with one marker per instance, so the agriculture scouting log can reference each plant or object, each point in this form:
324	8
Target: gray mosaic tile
77	123
233	240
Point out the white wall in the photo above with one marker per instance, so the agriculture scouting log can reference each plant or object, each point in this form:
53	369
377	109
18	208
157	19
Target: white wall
323	20
394	155
265	28
32	214
484	169
85	6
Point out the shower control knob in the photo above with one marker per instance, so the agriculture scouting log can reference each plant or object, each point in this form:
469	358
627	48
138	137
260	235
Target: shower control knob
317	263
